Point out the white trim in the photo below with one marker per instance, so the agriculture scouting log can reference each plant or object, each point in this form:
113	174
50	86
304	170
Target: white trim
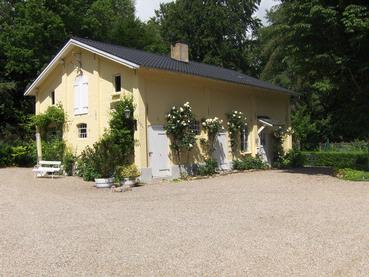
265	123
59	56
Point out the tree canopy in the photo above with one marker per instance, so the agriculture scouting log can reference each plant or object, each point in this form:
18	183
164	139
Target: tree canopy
320	48
218	32
316	47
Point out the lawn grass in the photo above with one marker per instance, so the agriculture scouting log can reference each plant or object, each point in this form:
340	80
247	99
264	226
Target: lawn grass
353	175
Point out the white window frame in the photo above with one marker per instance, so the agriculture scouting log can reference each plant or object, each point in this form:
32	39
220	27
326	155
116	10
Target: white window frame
80	127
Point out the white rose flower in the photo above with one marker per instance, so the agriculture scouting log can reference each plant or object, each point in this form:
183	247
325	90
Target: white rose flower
190	145
204	124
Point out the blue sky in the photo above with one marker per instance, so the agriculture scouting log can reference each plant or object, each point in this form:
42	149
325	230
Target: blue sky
145	8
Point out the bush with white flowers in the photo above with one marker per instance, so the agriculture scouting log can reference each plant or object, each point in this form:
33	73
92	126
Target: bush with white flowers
178	128
236	122
212	126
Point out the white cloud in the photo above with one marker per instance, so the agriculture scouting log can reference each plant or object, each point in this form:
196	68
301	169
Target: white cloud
145	9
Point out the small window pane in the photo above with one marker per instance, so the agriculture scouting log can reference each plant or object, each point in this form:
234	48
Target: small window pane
117	83
82	130
52	95
195	127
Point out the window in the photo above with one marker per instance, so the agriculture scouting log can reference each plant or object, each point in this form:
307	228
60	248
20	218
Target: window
244	139
117	83
82	130
196	127
80	95
52	95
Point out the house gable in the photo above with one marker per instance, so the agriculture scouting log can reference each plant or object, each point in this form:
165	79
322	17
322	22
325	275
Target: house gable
65	51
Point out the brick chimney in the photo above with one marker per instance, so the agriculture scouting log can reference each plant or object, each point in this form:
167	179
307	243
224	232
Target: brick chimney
179	52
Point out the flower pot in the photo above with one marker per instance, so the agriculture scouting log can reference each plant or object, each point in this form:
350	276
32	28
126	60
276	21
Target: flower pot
104	182
129	182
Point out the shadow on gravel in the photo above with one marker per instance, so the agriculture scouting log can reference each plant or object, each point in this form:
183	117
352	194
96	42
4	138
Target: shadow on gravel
311	171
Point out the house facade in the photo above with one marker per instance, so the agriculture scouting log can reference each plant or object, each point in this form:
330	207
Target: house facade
87	77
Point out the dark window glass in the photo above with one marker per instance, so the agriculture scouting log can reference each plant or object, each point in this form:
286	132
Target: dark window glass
117	83
52	95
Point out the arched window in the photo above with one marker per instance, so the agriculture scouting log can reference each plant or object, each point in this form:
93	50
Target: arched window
82	130
80	95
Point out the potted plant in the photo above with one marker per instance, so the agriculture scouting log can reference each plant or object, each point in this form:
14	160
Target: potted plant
127	175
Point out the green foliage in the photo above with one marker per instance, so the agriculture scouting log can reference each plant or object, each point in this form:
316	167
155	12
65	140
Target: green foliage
127	171
54	116
279	135
330	70
293	159
353	160
356	146
178	128
249	162
115	148
19	154
208	169
24	155
122	129
215	30
6	158
236	122
352	175
98	161
68	162
53	149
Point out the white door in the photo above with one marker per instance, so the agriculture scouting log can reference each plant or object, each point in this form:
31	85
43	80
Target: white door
158	151
221	150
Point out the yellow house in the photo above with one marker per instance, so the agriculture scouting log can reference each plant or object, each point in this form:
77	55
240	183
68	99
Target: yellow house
88	76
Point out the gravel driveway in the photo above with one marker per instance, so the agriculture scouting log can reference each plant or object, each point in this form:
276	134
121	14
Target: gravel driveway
270	223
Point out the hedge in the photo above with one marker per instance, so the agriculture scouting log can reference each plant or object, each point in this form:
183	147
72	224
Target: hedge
353	160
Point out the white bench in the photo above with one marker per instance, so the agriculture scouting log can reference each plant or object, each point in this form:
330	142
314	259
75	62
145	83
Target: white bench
45	167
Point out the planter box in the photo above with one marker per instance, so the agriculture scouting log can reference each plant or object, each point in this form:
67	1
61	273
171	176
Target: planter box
104	182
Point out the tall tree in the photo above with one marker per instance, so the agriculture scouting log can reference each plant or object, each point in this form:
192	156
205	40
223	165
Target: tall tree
319	47
217	31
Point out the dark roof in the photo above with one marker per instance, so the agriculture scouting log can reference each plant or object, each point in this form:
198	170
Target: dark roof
150	60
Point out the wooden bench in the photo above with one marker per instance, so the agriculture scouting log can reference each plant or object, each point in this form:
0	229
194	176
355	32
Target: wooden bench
47	167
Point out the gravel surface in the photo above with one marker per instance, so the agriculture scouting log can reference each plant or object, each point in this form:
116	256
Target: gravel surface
270	223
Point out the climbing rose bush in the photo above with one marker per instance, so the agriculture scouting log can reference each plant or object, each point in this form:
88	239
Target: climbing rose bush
212	126
178	128
236	122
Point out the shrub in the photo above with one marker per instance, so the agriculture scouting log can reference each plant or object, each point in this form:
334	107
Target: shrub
24	155
100	160
248	162
53	150
127	171
209	168
6	158
353	160
352	175
68	162
293	159
178	128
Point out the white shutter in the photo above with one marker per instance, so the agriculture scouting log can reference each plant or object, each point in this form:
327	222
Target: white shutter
76	95
84	96
80	95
